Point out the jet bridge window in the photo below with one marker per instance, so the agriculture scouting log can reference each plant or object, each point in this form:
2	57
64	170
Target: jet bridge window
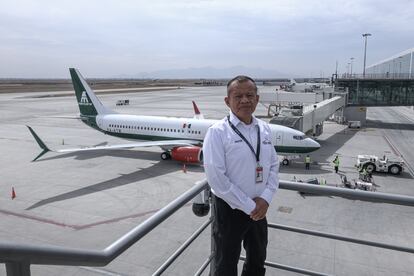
298	137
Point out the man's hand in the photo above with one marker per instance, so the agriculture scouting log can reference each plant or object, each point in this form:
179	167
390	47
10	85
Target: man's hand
261	209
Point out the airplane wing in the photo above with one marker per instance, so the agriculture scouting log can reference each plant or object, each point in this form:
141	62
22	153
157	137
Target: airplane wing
162	144
166	143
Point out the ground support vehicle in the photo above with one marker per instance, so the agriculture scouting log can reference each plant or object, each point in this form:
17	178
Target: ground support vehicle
364	182
372	163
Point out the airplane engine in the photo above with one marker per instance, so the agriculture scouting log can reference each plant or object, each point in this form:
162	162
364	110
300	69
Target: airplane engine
192	154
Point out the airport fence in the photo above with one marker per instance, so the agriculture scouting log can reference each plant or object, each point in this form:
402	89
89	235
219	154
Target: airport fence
19	257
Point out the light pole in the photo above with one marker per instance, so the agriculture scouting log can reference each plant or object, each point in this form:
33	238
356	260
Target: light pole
399	59
347	69
365	51
352	61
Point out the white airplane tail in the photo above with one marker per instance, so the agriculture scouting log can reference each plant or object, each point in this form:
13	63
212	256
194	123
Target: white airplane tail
89	104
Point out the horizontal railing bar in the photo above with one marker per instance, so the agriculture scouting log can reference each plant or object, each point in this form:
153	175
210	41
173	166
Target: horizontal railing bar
290	268
348	193
51	255
342	238
181	249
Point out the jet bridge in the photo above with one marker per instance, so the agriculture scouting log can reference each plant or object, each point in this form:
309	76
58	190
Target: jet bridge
312	116
316	114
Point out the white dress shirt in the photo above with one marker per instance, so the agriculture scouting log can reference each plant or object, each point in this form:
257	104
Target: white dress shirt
230	165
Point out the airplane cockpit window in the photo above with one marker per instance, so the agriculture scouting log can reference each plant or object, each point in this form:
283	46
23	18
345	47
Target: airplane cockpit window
298	137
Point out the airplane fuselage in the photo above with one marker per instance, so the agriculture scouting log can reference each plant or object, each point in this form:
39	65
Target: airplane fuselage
155	128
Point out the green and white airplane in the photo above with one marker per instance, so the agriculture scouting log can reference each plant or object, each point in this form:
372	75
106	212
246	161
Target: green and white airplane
180	138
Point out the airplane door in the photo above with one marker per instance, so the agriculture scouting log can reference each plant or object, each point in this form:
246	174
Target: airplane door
99	122
277	138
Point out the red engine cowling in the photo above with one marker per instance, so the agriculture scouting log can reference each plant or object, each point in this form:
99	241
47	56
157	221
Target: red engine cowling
192	154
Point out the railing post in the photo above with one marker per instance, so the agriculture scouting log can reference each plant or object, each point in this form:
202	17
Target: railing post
18	268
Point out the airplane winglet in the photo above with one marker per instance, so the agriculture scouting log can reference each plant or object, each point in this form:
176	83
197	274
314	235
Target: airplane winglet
40	143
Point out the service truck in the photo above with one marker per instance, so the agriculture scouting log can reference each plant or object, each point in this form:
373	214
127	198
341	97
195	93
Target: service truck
372	163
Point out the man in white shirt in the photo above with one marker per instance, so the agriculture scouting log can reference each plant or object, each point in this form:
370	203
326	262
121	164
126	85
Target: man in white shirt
242	168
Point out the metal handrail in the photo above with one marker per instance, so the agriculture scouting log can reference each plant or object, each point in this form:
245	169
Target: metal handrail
19	257
180	250
378	197
340	237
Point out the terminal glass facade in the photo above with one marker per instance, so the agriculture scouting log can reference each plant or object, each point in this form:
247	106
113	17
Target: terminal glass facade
370	92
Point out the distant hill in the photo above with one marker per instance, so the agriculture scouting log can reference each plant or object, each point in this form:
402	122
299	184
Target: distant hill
208	73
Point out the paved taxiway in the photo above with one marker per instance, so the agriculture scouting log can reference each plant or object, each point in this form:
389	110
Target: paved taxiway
87	200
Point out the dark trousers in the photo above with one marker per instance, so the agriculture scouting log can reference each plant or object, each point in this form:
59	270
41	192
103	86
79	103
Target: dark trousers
307	166
231	227
336	169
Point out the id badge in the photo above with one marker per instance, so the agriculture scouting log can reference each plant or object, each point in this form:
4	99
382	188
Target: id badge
259	173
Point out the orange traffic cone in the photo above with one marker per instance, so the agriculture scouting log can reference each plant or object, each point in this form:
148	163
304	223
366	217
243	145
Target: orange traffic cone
184	168
13	195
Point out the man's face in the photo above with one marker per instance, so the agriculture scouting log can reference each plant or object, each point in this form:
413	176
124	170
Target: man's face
242	100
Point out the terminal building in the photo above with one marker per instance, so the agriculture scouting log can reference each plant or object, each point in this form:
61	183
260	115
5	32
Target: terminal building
397	66
389	82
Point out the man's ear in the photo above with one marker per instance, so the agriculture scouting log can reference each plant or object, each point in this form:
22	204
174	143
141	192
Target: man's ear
226	100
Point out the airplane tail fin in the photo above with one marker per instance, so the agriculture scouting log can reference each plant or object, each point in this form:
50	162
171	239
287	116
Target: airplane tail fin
197	113
41	144
89	104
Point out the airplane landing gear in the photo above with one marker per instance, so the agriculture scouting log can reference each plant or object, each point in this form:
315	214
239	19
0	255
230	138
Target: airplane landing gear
165	155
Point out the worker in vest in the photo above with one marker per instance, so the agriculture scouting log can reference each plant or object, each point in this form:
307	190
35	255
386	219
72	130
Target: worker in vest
336	163
307	162
364	174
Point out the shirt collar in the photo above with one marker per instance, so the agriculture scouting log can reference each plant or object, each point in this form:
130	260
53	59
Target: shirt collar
235	121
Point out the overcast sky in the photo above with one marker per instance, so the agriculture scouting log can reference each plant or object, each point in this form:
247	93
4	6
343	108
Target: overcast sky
117	38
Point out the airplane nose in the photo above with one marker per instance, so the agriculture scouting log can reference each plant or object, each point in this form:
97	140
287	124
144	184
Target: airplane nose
313	144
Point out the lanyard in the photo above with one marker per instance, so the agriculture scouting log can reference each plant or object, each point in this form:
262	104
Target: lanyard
257	153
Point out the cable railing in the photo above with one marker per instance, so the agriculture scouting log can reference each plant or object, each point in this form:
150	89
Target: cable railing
19	257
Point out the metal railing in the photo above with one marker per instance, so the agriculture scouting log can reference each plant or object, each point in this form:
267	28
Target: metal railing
19	257
391	76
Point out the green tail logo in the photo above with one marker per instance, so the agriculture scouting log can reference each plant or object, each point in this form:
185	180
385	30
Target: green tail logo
83	94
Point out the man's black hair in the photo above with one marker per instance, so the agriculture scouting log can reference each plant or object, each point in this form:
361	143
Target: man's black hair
239	79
